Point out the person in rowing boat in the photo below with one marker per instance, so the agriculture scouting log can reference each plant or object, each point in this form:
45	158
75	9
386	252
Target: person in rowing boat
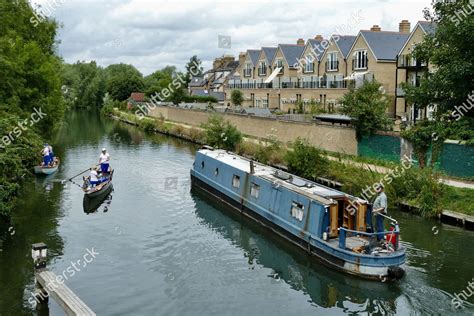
46	157
94	177
104	160
380	207
51	154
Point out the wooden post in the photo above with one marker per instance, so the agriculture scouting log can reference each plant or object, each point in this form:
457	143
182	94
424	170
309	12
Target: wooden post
47	284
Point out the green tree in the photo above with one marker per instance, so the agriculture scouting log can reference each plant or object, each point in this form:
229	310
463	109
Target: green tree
449	51
367	107
237	97
306	160
30	81
221	134
122	80
193	68
84	84
424	136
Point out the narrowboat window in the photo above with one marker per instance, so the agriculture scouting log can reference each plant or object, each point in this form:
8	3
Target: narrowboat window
236	181
202	164
297	210
216	172
255	190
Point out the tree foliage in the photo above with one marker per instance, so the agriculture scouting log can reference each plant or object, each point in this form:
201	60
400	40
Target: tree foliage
367	108
237	97
306	160
122	80
221	134
29	76
450	51
84	84
193	68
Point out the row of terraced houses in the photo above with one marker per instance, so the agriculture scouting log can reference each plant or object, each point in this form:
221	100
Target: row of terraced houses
322	70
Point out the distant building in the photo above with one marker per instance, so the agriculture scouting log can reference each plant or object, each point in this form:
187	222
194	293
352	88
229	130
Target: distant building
322	70
213	81
135	99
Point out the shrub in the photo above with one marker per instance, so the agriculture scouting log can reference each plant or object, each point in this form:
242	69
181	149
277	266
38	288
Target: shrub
306	160
221	134
237	97
147	124
196	135
420	188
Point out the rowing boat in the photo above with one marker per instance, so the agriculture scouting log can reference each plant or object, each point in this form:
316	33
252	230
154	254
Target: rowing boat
101	188
47	170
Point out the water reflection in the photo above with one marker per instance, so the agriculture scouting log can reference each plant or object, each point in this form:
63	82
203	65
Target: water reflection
92	204
327	288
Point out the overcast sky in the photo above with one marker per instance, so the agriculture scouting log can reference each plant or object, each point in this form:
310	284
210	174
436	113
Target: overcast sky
152	34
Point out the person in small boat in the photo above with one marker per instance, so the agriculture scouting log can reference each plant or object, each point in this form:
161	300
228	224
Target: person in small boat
51	154
380	207
46	157
104	160
94	177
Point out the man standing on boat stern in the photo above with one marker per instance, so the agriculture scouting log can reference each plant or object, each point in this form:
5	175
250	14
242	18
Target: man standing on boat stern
380	207
104	160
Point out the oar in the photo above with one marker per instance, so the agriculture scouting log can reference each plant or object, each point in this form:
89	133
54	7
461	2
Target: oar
70	179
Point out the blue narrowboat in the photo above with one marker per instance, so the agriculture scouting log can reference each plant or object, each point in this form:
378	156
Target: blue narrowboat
333	226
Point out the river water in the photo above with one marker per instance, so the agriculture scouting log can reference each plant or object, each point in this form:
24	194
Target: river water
163	249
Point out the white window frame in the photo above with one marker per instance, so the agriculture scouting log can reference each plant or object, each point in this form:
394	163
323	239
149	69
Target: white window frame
262	68
332	59
254	190
248	70
360	57
236	181
309	65
264	103
279	63
297	211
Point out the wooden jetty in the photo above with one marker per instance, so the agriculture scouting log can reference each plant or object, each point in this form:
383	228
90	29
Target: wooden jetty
47	285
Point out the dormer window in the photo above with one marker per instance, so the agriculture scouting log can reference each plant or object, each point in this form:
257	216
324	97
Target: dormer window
248	70
359	60
332	62
309	64
262	68
279	64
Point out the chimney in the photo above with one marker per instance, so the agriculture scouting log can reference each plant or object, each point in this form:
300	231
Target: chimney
300	41
217	63
375	28
318	37
242	56
404	27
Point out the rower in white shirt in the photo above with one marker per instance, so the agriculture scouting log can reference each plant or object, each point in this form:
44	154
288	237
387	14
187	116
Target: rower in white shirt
104	160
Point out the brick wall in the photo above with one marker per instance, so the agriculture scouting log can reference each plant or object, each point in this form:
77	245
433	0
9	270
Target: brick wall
329	137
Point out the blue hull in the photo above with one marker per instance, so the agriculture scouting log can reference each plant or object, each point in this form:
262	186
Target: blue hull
271	208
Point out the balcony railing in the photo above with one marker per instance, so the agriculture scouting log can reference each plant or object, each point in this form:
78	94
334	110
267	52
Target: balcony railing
332	65
323	84
407	61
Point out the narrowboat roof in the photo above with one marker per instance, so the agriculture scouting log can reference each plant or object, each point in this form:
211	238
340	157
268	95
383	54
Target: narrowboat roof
303	186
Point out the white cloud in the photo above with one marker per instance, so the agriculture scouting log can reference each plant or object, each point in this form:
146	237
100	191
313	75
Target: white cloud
153	34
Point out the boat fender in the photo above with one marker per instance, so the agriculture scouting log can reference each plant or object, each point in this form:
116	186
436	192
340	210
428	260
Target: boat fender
325	236
395	272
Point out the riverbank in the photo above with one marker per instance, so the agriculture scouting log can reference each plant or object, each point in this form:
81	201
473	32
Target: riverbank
352	176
